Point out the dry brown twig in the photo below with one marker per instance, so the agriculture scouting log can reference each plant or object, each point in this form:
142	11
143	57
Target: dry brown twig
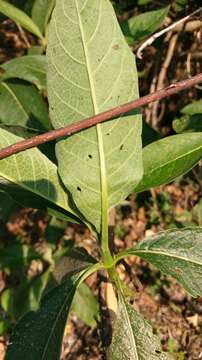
161	79
97	119
155	36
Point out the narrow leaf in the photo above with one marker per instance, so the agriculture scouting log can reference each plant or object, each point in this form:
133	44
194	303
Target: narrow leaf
19	17
188	123
85	305
194	108
31	68
140	26
41	13
22	105
76	260
38	335
17	256
133	337
33	172
176	252
91	69
168	158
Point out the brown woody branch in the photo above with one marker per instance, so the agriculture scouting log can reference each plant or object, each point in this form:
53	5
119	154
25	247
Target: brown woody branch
107	115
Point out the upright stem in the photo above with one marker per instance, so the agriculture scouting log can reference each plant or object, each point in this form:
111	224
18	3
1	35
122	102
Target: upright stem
107	258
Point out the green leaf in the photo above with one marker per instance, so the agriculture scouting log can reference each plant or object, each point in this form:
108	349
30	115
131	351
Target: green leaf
194	108
33	172
191	120
188	123
197	212
140	26
76	260
22	105
6	205
101	165
17	256
176	252
38	335
133	337
20	18
26	297
168	158
41	13
31	68
85	305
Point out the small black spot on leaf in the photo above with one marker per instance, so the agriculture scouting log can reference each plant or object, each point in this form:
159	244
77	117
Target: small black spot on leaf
78	188
157	351
90	156
121	147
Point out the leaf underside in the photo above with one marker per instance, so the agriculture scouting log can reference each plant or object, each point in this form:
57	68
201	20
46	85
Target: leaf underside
133	337
91	69
32	171
176	252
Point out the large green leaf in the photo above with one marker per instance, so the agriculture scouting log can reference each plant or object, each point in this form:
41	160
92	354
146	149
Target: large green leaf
168	158
41	13
31	68
176	252
38	335
91	69
33	172
19	17
22	105
140	26
133	337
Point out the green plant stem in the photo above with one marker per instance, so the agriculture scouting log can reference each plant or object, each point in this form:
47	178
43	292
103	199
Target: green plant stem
107	258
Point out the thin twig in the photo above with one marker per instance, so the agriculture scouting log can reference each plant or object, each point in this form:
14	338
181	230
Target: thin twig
162	77
152	38
104	116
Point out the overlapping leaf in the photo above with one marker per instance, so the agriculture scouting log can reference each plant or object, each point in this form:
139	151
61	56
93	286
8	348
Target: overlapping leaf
19	17
133	337
41	12
32	171
176	252
168	158
85	305
38	335
140	26
31	68
22	105
91	69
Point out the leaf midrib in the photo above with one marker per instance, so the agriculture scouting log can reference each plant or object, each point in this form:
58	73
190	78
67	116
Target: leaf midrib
55	322
177	158
131	337
162	253
11	92
103	174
